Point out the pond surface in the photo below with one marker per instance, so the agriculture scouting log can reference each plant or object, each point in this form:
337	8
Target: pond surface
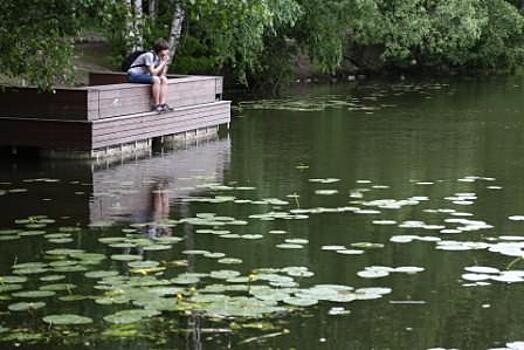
370	216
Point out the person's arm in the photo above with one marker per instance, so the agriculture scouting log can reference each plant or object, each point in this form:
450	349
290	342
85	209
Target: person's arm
159	69
164	71
150	64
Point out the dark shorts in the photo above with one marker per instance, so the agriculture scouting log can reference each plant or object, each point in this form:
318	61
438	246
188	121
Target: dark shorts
140	78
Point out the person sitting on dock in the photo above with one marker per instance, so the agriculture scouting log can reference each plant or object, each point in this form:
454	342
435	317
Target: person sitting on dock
151	68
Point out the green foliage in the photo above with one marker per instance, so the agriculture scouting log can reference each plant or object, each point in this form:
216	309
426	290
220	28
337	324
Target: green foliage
472	33
257	39
502	41
35	40
326	26
194	57
236	30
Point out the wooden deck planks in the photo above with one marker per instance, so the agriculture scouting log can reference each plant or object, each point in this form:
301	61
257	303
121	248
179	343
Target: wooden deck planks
119	123
107	115
123	99
157	124
45	133
159	129
174	129
31	103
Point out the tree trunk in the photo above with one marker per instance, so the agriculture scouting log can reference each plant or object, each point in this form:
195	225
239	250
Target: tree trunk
138	25
153	7
134	24
129	40
176	30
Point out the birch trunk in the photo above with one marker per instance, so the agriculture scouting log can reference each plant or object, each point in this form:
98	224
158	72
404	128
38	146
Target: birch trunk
176	30
138	25
153	6
129	39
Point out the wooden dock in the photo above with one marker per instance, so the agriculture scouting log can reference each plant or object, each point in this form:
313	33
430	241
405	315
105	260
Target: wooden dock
109	115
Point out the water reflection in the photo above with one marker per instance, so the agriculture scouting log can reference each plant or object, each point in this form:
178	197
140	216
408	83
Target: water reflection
420	147
127	192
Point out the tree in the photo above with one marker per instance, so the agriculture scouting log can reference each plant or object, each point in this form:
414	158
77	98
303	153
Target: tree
36	41
175	32
262	38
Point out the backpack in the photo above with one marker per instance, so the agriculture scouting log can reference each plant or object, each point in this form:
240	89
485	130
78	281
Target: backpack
129	59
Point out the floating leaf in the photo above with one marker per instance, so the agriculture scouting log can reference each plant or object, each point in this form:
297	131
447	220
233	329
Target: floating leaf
126	257
482	269
58	286
66	319
224	274
34	294
300	301
372	273
52	278
157	247
130	316
367	245
12	279
350	252
146	264
289	246
337	311
26	306
230	261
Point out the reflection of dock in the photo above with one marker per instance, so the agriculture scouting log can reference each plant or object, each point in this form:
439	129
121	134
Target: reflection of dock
109	116
87	191
125	191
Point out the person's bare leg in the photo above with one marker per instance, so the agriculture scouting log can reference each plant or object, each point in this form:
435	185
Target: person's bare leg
156	88
163	90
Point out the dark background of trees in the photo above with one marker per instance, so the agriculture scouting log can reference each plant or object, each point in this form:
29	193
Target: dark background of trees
262	41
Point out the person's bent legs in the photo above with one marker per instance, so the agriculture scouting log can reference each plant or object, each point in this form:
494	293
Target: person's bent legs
142	78
163	90
163	96
156	89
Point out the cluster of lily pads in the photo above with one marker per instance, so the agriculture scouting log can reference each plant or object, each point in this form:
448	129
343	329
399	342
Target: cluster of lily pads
126	276
367	104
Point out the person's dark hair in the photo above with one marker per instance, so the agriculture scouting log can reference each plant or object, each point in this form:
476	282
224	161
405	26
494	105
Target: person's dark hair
160	45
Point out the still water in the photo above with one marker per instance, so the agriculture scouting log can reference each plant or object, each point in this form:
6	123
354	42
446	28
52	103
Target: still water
369	216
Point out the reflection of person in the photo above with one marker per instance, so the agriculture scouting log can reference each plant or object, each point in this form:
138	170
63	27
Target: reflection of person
159	211
151	68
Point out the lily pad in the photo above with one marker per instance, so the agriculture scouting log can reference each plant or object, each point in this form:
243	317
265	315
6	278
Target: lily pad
224	274
350	252
289	246
230	261
58	287
300	301
26	306
34	294
130	316
146	264
482	269
52	278
338	311
12	279
126	257
371	273
67	319
367	245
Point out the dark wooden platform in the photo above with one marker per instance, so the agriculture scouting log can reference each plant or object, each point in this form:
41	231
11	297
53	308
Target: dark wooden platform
107	113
